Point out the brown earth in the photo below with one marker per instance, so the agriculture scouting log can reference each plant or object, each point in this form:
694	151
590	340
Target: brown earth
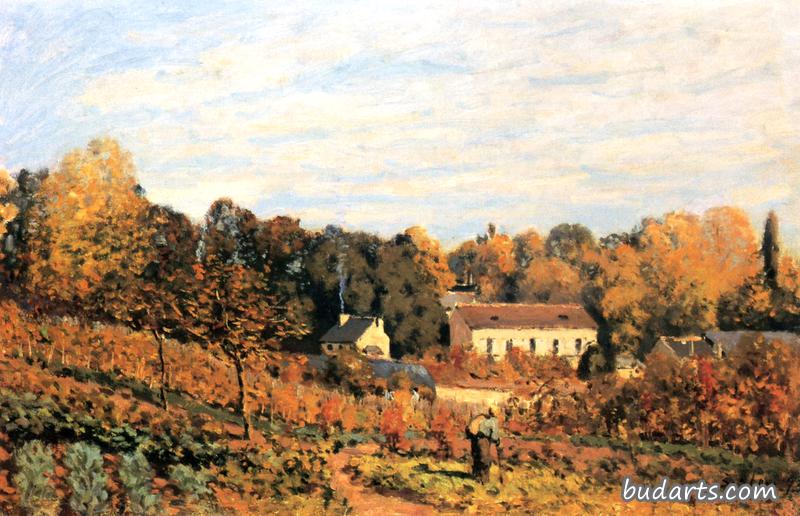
362	500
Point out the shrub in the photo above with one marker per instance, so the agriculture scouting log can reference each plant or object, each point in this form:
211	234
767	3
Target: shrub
393	426
86	478
35	466
188	481
444	431
136	474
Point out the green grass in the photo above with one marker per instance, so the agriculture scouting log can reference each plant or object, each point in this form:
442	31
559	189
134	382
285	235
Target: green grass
448	486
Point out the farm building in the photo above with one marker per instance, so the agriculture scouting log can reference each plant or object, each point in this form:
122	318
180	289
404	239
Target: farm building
496	329
683	347
364	334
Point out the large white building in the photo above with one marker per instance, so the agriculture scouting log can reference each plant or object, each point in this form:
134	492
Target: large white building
495	329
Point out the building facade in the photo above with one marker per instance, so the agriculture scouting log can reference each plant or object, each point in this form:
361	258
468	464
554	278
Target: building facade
541	329
363	334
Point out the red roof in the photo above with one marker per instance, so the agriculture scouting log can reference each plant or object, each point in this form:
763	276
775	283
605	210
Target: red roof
525	316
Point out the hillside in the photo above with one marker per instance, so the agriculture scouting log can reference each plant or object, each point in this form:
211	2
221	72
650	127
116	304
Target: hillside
69	383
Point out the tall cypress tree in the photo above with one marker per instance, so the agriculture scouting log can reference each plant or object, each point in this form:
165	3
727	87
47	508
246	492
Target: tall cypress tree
770	250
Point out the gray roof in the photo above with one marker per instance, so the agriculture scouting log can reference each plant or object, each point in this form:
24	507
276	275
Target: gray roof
451	299
349	332
684	347
385	369
417	373
728	340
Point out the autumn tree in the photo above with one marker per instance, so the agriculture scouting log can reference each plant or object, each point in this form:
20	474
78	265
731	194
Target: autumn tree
150	298
731	248
431	258
549	280
101	250
490	260
758	406
528	246
669	276
444	430
19	197
393	427
769	299
7	211
232	307
85	229
283	243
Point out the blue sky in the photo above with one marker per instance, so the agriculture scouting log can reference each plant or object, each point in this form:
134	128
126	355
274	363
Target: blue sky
379	116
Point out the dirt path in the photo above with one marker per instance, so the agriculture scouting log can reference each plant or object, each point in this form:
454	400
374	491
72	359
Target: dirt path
362	500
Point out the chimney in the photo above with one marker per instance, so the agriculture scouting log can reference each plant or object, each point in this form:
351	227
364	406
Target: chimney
379	323
343	318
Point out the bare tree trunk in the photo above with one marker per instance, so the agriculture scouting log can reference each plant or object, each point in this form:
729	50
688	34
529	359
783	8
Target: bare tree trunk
242	396
163	363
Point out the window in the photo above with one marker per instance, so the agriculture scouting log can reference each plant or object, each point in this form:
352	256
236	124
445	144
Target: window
578	346
489	345
330	347
532	344
555	346
509	345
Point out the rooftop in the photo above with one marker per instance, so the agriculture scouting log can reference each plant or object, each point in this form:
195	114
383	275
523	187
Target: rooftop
507	315
688	346
350	331
729	340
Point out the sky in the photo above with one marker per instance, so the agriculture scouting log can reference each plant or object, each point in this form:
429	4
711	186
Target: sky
381	115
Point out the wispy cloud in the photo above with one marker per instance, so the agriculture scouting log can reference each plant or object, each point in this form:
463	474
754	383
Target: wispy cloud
447	114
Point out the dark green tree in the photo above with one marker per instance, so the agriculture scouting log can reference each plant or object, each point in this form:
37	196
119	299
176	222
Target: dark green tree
770	251
14	243
569	242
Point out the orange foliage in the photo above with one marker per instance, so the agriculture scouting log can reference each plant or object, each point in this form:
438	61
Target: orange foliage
393	427
86	226
444	430
432	258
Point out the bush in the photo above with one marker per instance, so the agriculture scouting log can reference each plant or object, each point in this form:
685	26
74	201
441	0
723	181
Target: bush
188	481
136	474
393	427
444	431
86	479
35	466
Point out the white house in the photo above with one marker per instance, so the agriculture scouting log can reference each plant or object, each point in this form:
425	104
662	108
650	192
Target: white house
496	329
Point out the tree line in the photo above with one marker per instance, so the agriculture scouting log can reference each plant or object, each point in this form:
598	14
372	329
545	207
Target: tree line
674	275
85	241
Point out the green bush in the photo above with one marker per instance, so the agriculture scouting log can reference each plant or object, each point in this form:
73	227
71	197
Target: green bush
35	466
188	481
26	417
136	475
86	479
